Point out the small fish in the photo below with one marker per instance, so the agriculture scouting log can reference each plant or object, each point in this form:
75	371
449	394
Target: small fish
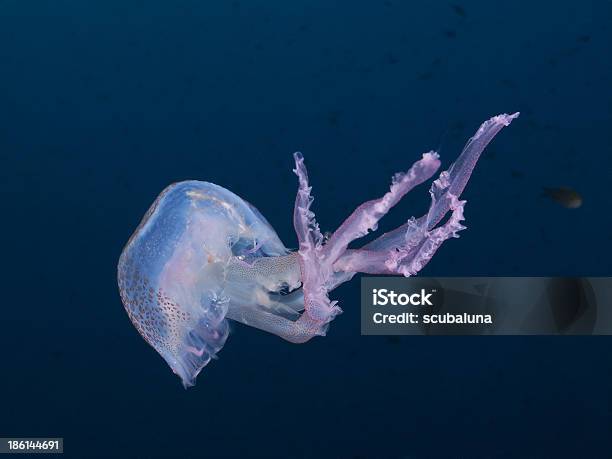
567	197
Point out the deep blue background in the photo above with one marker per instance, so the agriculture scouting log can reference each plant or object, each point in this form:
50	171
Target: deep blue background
104	103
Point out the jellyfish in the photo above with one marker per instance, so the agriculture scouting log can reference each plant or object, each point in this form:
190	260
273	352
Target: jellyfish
202	256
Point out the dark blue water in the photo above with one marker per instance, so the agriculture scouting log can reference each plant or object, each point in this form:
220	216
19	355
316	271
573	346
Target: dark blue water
104	103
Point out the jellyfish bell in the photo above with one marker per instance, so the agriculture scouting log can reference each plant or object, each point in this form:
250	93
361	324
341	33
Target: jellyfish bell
203	256
198	249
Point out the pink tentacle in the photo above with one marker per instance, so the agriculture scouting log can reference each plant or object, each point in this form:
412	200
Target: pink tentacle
405	250
315	271
365	218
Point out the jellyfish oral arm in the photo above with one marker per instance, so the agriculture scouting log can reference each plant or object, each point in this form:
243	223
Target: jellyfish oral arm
317	258
408	248
409	257
453	180
405	251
